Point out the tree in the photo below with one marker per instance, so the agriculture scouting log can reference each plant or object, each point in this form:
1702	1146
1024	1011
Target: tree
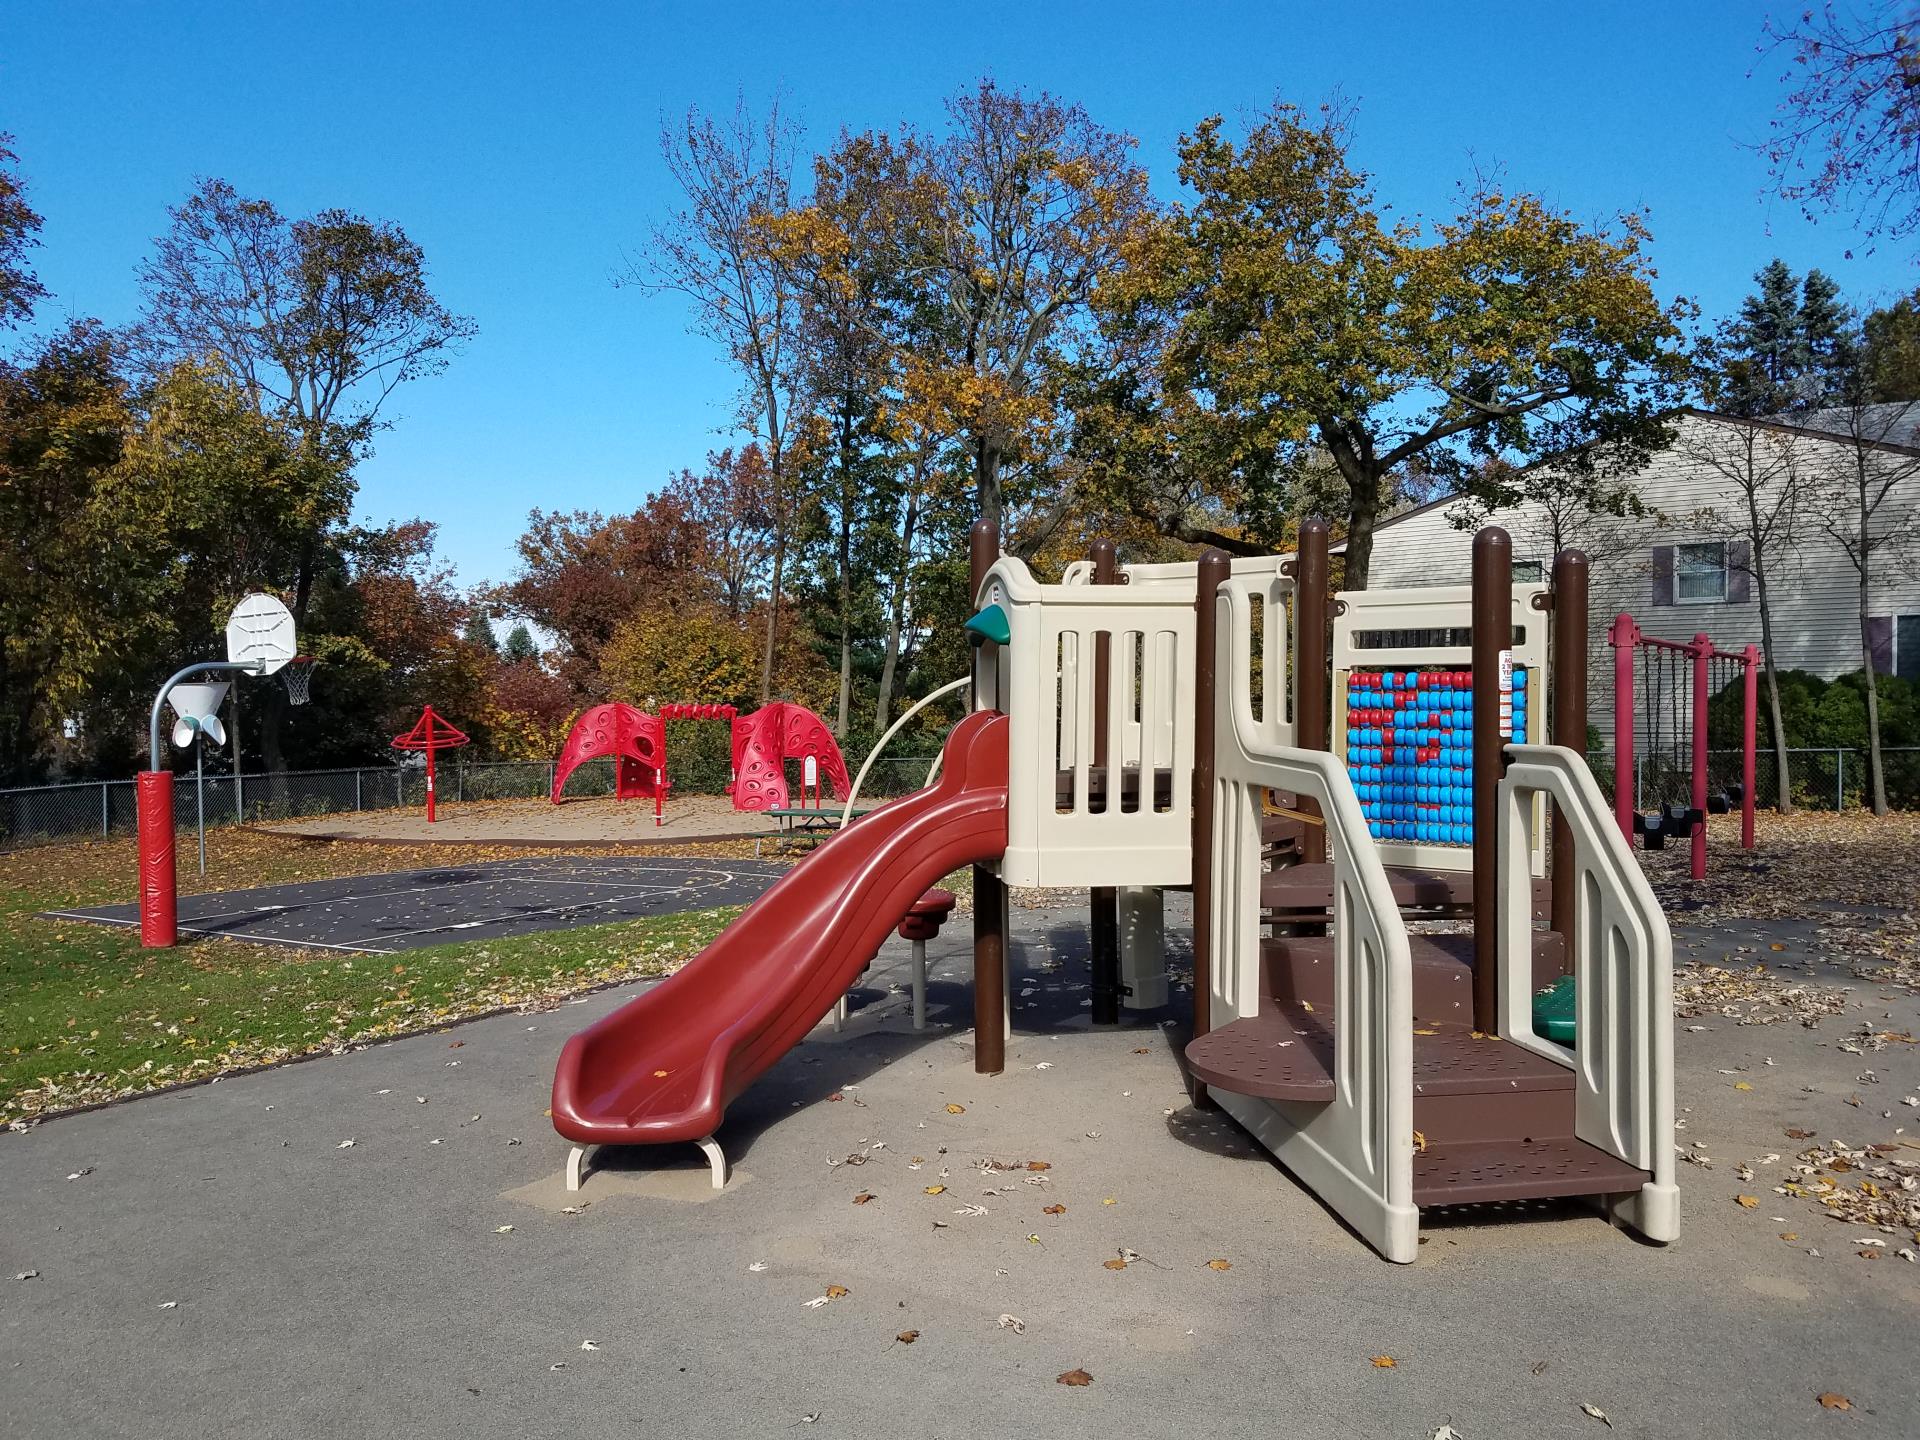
1791	347
1843	140
1293	320
1768	471
729	506
1037	206
735	177
521	646
318	319
583	574
20	289
479	633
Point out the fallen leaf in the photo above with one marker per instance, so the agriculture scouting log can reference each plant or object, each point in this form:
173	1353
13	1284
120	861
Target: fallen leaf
88	1170
28	1275
1013	1323
936	1190
343	1145
1742	1085
589	1345
1142	1050
1109	1201
1446	1432
1789	1235
863	1197
503	1229
1830	1401
661	1074
1597	1413
1114	1264
813	1304
757	1267
956	1109
1074	1377
1219	1265
1539	1367
169	1304
1746	1202
1426	1032
1794	1133
1054	1210
907	1337
1039	1165
1385	1362
837	1292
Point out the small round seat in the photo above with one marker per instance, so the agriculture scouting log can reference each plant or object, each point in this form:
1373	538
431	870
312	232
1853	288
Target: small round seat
926	914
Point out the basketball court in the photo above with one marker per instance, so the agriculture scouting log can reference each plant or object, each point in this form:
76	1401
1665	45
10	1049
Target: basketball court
403	910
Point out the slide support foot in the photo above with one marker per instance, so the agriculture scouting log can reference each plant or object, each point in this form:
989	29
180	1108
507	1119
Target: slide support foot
576	1166
919	985
717	1158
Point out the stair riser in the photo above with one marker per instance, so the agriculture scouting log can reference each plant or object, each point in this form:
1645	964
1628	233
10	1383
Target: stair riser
1442	989
1520	1115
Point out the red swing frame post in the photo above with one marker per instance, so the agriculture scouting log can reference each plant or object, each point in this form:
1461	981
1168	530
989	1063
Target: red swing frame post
430	733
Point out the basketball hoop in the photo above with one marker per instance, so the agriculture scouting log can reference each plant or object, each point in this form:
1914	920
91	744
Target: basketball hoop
298	673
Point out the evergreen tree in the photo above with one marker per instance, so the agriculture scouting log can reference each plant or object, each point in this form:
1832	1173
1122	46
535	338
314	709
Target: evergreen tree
1763	344
479	633
521	644
1827	347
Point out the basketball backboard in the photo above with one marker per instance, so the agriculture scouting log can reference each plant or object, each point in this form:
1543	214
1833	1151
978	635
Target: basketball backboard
198	706
261	631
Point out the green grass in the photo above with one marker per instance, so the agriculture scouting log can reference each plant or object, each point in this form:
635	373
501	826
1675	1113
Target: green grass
87	1015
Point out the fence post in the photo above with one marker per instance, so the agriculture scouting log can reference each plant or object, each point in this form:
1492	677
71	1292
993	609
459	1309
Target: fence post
1839	781
106	813
357	805
1749	732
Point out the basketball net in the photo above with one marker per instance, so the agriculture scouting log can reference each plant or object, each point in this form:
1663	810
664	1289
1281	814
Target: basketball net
298	673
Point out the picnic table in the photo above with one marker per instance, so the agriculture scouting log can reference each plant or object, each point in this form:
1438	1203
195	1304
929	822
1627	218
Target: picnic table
816	821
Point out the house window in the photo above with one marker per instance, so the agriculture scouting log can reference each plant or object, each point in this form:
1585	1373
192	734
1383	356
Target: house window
1700	573
1529	572
1906	648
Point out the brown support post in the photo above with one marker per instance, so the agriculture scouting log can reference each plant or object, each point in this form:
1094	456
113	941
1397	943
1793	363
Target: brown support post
1105	936
1310	732
1213	571
1492	644
989	894
1569	717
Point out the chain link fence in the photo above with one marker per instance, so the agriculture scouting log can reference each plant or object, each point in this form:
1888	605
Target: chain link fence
46	814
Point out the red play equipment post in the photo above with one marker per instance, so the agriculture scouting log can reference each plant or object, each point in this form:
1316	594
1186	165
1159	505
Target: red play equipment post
159	922
1623	635
1748	726
430	733
1702	648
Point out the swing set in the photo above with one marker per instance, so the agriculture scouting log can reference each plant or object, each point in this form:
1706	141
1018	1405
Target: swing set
1671	683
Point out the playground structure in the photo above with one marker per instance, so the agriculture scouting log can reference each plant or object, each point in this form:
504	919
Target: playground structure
761	742
430	734
1132	727
1671	685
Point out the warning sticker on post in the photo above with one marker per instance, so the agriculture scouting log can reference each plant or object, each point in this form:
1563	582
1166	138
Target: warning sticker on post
1506	671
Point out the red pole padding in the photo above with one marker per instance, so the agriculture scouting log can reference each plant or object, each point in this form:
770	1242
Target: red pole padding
159	918
430	750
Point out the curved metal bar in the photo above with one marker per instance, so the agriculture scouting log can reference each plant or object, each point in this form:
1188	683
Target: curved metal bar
846	814
251	667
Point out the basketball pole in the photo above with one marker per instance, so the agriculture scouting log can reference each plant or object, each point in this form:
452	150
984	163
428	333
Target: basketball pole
153	792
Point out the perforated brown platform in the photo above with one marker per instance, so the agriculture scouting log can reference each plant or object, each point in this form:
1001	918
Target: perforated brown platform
1469	1174
1266	1056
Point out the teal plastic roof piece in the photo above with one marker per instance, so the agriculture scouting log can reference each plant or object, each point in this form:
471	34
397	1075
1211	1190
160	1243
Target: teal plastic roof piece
991	624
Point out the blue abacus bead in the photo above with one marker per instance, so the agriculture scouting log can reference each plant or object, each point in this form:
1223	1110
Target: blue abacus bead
1519	677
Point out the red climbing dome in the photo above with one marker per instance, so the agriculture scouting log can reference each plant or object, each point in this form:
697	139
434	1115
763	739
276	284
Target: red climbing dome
764	741
636	740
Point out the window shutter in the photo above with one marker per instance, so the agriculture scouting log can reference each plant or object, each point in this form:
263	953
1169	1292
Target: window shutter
1739	580
1663	575
1880	643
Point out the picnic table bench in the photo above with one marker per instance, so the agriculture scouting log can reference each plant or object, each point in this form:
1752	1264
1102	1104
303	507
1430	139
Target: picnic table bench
814	820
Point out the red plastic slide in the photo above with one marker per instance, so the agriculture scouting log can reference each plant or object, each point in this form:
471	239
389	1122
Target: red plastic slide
663	1067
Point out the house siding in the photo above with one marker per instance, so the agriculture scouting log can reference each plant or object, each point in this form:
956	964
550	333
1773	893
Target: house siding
1813	586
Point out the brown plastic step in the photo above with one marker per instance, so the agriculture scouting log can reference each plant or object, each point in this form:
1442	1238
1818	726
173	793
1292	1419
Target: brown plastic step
1300	967
1308	890
1286	1053
1266	1056
1535	1169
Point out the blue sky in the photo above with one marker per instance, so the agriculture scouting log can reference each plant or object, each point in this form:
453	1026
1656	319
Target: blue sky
519	145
